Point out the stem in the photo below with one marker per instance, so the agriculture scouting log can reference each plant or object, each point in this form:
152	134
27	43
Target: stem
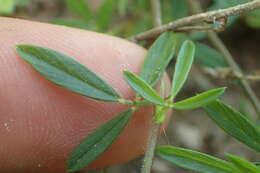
154	131
219	45
156	9
149	153
210	16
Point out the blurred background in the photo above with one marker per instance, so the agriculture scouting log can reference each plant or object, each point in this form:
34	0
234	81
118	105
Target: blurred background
125	18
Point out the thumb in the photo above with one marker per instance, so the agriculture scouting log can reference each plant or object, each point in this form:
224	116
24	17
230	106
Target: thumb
40	122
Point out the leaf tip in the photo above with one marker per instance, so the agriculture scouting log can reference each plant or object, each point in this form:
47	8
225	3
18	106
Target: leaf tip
22	47
222	90
189	43
126	72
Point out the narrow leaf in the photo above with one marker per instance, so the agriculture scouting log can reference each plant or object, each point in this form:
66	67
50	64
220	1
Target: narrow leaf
80	8
178	9
98	142
67	73
200	99
243	165
234	123
183	65
7	7
142	88
193	160
257	164
158	58
209	57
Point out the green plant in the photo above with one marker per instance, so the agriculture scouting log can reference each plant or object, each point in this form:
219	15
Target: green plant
71	75
7	7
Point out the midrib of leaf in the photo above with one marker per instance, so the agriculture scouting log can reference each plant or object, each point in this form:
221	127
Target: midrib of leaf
61	67
100	139
201	158
230	124
78	77
242	130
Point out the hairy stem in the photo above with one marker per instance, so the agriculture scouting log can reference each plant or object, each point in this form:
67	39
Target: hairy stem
149	153
154	131
210	16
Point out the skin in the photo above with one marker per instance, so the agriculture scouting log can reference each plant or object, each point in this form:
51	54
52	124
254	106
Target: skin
40	122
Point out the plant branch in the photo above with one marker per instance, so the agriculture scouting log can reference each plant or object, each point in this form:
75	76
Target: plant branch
155	128
217	42
149	153
199	28
210	16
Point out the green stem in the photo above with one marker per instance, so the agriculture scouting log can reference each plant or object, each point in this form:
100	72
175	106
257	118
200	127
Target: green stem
154	131
149	153
136	102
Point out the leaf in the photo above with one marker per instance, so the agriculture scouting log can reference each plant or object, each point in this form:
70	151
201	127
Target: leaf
142	88
243	165
80	8
179	9
257	164
67	73
193	160
183	65
209	57
23	3
234	123
158	58
7	7
200	99
98	142
105	13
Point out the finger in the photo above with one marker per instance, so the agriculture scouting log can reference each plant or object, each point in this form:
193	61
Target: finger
40	122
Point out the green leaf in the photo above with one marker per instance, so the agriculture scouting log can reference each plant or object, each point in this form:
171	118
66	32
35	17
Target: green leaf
80	8
105	14
179	9
23	3
234	123
209	57
243	165
142	88
98	142
193	160
257	164
67	73
7	7
200	99
183	65
158	58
